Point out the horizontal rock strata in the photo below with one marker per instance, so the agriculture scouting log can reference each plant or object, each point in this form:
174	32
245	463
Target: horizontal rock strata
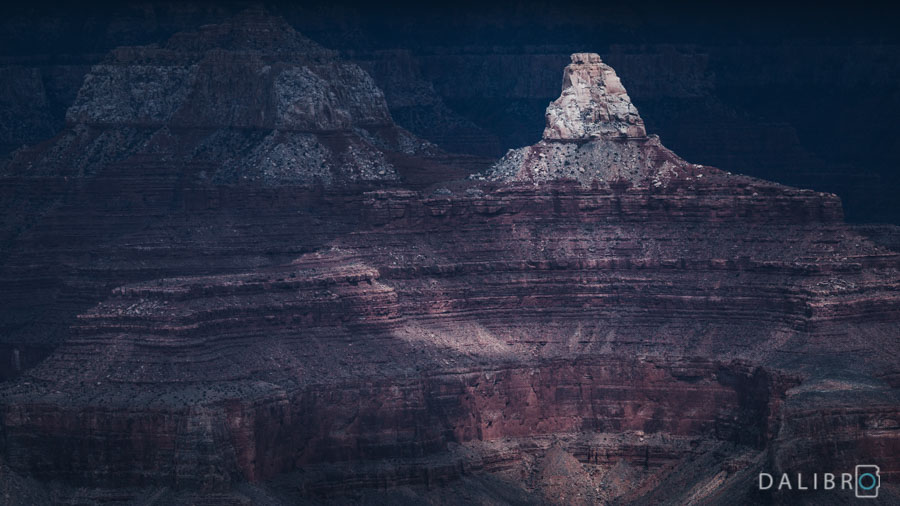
250	340
249	99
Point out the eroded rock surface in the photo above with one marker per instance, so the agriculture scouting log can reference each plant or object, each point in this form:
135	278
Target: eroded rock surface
656	331
593	104
593	132
251	95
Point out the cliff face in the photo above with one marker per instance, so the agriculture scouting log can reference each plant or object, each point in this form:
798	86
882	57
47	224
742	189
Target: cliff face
250	95
246	101
593	133
630	328
646	329
750	98
593	104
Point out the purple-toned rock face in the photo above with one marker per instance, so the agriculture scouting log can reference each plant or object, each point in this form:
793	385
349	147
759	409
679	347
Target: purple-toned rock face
190	317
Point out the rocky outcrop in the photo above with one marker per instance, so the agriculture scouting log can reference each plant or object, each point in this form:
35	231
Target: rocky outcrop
748	108
250	95
593	104
722	98
655	330
593	132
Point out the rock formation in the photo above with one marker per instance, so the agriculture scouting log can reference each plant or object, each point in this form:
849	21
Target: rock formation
593	132
251	95
593	104
654	331
723	98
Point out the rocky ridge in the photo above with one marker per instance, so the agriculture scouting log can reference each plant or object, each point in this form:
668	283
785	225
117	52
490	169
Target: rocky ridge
749	108
251	95
614	340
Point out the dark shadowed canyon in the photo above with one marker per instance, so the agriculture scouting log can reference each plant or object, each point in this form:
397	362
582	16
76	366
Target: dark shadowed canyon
383	254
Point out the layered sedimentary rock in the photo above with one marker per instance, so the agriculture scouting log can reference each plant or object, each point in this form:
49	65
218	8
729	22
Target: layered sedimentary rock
652	331
560	310
593	133
753	108
730	99
251	95
249	101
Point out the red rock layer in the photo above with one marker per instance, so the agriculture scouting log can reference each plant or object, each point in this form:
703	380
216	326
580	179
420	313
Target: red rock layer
202	336
558	309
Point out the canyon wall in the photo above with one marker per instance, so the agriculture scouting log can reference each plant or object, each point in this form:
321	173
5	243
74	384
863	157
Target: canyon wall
591	319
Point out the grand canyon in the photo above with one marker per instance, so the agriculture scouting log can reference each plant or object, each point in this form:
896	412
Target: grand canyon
242	267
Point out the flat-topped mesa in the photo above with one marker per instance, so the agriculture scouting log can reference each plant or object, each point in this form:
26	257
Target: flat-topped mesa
593	133
593	104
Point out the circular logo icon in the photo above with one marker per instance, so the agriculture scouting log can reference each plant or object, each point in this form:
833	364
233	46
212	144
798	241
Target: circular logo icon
867	478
